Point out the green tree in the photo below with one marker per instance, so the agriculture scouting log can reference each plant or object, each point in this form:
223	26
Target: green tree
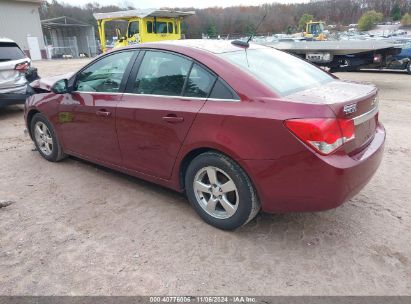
369	20
406	20
396	13
212	31
304	20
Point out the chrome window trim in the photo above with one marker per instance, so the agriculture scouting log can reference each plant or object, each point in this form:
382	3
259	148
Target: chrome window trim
161	96
222	99
99	93
366	116
166	96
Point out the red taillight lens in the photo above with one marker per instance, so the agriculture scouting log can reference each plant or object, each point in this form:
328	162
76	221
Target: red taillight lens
325	135
22	67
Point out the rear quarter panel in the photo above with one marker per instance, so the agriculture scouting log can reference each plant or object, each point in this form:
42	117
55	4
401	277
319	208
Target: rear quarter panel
248	130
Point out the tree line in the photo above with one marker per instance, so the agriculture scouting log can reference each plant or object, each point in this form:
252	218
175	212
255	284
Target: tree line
241	20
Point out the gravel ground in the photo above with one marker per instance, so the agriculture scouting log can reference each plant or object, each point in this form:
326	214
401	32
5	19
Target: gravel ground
79	229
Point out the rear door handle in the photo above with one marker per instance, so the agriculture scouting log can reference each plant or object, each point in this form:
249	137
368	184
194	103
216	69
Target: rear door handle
172	118
103	113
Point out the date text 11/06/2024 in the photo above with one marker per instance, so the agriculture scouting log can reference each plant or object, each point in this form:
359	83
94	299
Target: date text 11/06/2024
205	299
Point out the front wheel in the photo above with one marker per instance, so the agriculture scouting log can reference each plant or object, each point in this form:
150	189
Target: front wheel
45	138
220	191
409	68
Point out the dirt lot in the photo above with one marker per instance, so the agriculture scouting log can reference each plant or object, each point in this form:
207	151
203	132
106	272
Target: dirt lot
78	229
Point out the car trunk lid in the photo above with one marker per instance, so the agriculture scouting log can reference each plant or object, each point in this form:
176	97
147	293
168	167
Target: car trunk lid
348	100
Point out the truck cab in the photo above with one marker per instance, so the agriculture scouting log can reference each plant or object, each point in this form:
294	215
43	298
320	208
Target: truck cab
143	26
316	30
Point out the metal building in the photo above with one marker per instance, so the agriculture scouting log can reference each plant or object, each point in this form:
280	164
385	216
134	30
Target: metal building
67	37
20	21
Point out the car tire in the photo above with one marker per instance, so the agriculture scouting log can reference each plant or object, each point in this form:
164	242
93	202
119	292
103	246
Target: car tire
220	191
45	138
409	68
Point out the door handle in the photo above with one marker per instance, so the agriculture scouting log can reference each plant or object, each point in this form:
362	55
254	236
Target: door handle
172	118
103	113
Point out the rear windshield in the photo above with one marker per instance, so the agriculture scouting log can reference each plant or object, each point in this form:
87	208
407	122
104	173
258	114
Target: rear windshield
284	73
10	51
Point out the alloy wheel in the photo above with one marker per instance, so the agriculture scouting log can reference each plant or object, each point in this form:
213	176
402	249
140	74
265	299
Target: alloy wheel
216	192
43	138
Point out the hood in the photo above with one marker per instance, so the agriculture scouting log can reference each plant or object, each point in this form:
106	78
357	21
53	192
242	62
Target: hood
47	83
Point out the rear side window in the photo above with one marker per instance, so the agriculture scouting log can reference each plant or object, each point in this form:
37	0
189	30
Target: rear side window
221	90
10	51
199	83
161	74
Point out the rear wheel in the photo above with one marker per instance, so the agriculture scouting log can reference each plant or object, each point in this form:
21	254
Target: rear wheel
409	68
220	191
45	138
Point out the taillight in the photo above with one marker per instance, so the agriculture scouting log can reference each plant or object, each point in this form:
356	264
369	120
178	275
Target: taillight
325	135
22	67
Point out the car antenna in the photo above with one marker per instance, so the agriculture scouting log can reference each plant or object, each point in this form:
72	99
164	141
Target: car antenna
246	44
257	28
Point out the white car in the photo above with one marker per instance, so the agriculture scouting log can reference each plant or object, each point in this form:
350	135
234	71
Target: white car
14	65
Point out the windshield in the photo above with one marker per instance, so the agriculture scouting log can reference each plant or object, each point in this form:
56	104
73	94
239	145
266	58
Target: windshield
284	73
316	28
10	51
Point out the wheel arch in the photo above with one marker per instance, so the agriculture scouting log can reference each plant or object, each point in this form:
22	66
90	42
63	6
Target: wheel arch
30	116
193	153
186	160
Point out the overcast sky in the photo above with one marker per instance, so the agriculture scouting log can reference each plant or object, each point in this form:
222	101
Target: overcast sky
178	3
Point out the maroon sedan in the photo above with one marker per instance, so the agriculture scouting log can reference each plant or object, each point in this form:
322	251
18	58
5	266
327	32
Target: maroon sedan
237	128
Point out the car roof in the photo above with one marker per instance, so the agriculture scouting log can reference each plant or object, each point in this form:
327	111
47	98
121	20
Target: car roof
209	45
4	39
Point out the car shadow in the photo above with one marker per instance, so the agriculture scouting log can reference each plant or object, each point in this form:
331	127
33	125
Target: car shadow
134	180
300	225
9	111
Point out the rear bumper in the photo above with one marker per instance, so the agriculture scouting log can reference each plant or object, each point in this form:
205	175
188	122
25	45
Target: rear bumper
13	96
309	182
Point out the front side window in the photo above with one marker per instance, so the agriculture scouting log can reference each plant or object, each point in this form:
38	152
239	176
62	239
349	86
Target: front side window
161	74
284	73
133	29
105	75
199	83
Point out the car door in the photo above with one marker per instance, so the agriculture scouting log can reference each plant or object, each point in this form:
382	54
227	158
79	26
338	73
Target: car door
163	96
87	114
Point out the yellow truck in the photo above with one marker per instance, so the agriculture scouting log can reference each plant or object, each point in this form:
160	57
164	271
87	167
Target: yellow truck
315	30
145	25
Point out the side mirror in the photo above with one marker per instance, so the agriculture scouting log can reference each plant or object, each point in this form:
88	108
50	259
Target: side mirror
60	87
